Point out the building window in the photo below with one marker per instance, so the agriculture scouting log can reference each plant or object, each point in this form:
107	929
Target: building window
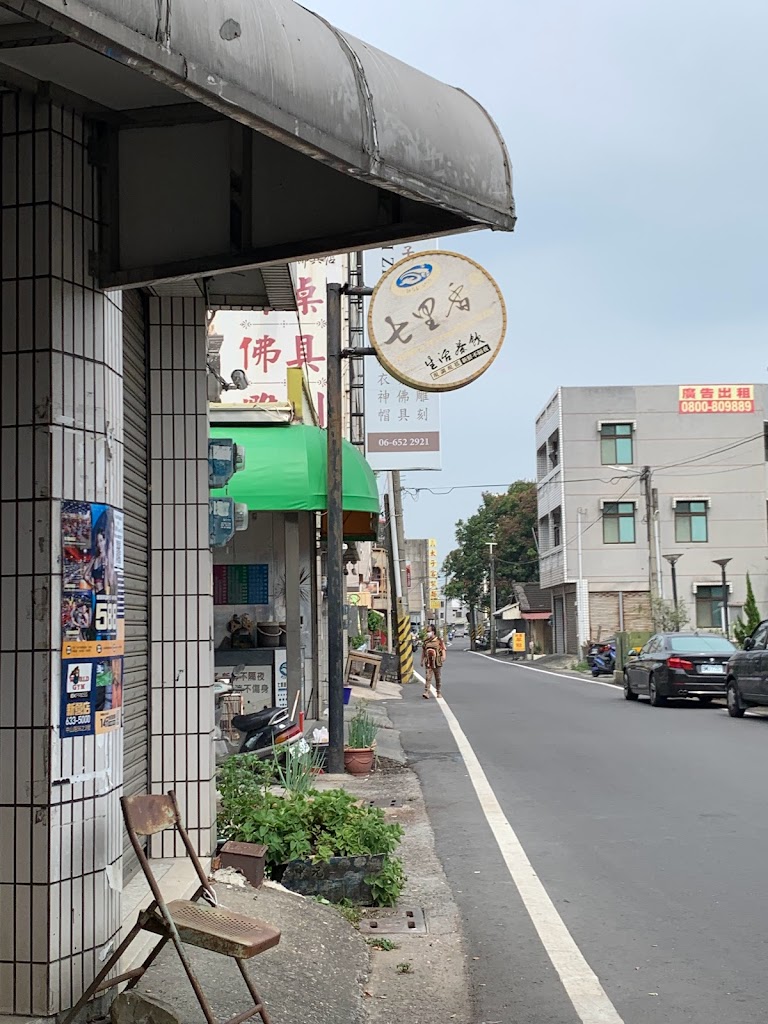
691	522
709	607
616	444
541	463
553	444
544	533
557	539
619	522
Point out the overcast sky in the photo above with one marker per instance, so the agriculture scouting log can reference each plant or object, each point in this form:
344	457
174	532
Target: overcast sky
637	133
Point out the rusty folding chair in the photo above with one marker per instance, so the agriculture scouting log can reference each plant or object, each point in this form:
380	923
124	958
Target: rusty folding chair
181	922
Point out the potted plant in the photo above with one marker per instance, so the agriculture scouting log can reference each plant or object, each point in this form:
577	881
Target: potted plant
361	743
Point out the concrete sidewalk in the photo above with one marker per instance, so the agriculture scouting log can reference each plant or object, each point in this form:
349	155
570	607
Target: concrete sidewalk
323	971
314	976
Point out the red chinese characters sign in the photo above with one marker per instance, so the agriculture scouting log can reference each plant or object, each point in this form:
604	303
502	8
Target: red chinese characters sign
266	344
693	398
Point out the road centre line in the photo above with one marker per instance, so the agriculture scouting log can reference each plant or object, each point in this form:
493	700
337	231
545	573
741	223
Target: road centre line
589	998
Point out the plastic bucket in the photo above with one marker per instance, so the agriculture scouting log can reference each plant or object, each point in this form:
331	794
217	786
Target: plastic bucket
347	694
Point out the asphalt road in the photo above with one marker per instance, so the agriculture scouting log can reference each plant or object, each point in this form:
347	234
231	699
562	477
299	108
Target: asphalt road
647	827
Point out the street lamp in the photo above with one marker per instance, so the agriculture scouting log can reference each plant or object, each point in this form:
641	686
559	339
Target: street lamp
722	562
673	560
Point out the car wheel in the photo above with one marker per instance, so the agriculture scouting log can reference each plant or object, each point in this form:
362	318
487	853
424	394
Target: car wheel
705	699
735	707
629	693
657	700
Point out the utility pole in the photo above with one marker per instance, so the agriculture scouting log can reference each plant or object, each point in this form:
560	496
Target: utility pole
335	569
404	645
335	564
397	494
582	623
651	517
492	545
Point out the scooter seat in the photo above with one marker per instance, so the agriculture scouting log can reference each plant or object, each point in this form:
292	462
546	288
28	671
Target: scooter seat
254	720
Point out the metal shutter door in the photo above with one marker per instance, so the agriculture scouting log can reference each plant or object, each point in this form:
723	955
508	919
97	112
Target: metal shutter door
136	504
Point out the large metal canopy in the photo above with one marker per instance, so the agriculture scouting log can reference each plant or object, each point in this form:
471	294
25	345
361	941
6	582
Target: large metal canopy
239	135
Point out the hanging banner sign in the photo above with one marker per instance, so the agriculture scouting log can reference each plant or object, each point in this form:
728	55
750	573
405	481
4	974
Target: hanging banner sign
437	320
92	618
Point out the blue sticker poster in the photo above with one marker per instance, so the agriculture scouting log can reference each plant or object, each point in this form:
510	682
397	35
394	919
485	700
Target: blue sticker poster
92	618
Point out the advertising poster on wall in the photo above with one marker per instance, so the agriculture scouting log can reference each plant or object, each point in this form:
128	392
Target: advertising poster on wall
92	618
266	344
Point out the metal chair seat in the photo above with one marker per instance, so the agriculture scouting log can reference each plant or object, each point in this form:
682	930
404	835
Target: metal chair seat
222	930
182	921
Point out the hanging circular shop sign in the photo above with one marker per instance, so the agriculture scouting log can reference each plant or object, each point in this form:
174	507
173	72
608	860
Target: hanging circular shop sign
437	320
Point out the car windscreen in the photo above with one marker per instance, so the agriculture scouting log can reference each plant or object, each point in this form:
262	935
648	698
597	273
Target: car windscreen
700	645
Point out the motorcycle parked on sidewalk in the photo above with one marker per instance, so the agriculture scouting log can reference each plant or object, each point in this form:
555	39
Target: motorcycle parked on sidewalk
266	733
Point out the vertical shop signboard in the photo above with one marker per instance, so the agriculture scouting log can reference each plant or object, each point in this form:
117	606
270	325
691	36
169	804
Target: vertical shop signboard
402	424
92	618
434	586
281	679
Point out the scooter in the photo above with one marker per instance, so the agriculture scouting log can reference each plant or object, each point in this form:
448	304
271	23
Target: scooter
604	662
265	733
268	732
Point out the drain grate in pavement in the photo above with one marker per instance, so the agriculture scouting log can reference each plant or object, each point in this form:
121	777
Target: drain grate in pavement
385	802
411	919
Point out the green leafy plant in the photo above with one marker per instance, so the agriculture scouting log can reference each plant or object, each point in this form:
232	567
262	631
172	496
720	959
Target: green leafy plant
742	628
387	885
362	730
305	825
297	773
375	621
387	945
240	781
668	616
358	640
405	968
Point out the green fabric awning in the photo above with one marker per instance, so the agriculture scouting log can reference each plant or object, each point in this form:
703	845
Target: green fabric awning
285	471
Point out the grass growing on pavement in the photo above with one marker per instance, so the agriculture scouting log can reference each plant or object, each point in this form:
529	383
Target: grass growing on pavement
579	666
405	968
387	945
350	912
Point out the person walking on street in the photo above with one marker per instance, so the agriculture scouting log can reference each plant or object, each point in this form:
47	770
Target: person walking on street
432	658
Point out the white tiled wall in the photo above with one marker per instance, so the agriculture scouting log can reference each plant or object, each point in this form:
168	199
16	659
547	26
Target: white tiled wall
61	437
181	611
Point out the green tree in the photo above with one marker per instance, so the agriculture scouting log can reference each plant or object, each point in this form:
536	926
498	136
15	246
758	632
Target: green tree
742	628
508	519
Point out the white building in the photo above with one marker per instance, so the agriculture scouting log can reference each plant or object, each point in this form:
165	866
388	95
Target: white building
629	476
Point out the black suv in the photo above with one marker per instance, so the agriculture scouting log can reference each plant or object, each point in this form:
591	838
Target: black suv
748	673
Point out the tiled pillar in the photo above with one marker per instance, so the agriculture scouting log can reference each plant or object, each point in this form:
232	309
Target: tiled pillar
181	612
62	423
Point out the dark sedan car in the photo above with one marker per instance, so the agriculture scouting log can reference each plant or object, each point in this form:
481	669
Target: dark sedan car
748	674
679	665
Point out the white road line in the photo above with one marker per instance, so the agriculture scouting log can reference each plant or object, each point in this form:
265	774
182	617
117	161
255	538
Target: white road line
546	672
582	985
